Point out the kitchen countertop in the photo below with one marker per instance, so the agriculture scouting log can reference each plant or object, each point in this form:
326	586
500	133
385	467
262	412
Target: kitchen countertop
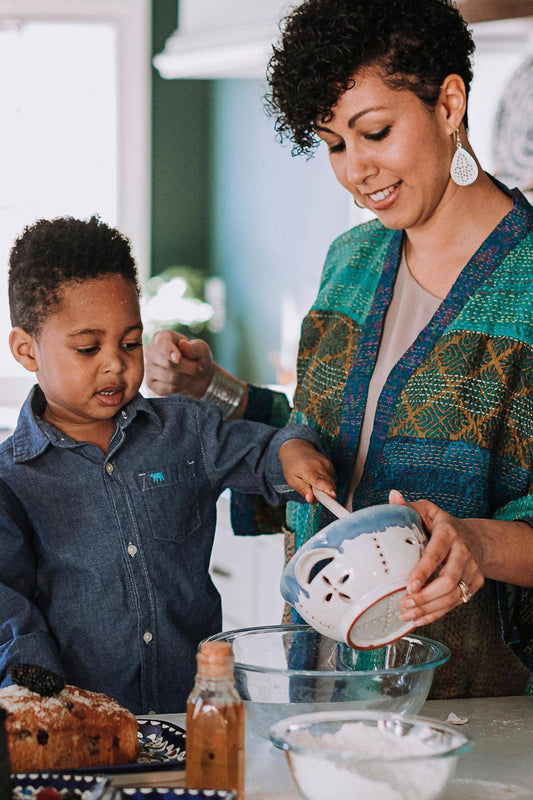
501	758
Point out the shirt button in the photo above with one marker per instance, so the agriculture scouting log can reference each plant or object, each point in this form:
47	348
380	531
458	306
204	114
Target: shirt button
132	550
109	469
124	415
147	637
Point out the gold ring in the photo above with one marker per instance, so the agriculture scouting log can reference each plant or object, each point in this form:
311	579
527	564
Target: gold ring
466	595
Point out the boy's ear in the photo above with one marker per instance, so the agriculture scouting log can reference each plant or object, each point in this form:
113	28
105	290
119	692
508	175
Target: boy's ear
22	347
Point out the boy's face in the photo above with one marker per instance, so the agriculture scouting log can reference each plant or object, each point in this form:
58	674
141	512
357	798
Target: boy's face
89	354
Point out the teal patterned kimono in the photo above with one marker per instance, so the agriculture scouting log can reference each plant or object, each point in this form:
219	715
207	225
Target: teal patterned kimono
453	424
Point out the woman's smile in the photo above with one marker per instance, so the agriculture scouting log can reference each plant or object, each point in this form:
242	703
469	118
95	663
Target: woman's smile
383	198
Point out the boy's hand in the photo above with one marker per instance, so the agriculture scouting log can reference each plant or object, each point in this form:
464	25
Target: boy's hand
304	467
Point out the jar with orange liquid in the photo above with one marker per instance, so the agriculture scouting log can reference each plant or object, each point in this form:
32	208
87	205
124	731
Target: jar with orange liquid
215	723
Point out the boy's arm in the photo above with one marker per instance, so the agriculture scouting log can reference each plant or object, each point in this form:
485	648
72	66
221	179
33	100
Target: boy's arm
24	633
244	456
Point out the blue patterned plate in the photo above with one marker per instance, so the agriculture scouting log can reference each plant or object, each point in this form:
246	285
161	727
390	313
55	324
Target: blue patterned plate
58	786
70	786
174	794
162	746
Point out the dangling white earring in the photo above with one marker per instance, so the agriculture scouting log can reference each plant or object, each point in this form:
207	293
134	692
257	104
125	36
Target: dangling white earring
463	169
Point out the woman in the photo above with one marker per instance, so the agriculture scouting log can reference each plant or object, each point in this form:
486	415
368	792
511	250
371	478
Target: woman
416	359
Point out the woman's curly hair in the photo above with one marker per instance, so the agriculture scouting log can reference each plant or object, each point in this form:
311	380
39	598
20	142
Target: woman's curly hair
52	253
415	43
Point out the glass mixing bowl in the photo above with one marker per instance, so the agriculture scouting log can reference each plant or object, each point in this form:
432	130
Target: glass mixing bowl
282	670
371	755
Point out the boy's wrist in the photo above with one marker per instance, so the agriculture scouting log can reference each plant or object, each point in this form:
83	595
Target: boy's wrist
297	442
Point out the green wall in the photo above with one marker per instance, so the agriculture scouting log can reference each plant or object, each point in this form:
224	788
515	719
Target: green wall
229	199
180	159
273	219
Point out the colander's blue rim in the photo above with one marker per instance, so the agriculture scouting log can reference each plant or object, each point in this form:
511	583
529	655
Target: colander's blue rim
441	655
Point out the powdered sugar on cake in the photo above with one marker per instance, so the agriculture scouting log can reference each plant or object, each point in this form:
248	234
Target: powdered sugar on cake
70	700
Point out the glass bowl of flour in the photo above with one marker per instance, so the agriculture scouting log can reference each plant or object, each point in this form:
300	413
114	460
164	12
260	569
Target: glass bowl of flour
282	670
369	755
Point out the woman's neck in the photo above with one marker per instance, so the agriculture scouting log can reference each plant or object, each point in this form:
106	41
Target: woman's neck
438	250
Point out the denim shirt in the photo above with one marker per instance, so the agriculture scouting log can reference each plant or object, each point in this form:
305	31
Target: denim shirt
104	558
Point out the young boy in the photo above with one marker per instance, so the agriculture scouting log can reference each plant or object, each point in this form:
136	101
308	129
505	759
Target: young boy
108	499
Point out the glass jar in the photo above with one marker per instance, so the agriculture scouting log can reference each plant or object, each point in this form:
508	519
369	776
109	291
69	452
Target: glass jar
215	723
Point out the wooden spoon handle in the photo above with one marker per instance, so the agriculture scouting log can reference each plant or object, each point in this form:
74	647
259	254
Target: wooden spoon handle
331	504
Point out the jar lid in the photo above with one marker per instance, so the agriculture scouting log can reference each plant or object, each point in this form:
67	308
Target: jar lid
215	659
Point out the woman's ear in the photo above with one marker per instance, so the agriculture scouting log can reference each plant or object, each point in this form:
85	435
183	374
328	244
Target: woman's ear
452	102
22	347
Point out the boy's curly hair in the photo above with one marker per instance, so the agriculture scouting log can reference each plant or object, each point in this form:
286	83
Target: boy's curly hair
51	253
415	43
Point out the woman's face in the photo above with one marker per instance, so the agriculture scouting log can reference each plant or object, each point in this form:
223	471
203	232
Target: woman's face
389	150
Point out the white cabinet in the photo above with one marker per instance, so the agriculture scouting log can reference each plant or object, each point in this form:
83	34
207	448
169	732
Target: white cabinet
246	571
222	39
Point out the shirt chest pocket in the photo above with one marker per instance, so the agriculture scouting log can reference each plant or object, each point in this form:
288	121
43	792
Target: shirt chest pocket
171	498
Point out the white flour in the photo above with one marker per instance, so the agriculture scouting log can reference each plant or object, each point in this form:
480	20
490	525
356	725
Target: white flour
320	779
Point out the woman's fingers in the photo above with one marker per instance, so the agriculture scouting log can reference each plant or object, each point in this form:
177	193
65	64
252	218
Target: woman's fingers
164	348
423	611
196	353
396	498
444	587
438	550
443	593
176	364
434	583
433	555
161	357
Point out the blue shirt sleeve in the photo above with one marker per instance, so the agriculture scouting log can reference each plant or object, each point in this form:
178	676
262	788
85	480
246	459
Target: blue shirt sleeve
243	455
24	633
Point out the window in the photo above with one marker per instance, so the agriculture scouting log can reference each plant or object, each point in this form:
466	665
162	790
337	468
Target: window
74	100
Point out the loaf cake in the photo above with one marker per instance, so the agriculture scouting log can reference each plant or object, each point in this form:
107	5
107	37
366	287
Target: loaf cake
52	725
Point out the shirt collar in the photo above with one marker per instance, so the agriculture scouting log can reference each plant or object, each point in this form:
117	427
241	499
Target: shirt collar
29	440
135	406
33	435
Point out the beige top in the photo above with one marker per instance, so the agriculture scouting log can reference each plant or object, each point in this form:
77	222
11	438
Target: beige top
410	310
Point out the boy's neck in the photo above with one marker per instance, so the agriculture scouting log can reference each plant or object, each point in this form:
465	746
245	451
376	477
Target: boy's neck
99	432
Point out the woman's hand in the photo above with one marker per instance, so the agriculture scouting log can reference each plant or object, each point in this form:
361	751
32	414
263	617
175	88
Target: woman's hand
178	365
453	554
304	467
